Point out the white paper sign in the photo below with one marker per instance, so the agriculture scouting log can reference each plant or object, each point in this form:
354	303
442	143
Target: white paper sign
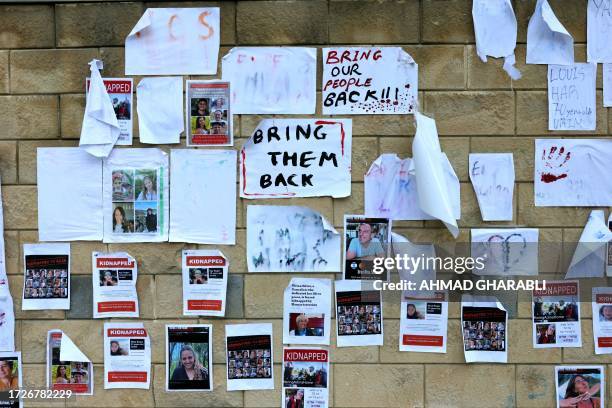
573	172
290	239
571	97
100	130
556	315
120	93
391	191
369	80
204	282
599	31
189	361
416	272
492	176
174	41
607	85
580	386
602	320
423	322
506	251
203	196
4	284
434	197
609	250
160	110
7	315
135	196
305	377
67	367
495	30
271	80
307	311
548	42
69	208
287	158
359	316
127	356
46	282
484	324
13	381
114	278
7	324
589	258
249	354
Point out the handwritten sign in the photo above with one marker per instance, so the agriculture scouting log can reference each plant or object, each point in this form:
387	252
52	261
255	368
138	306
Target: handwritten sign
492	175
369	80
287	158
571	97
599	31
174	41
271	80
573	172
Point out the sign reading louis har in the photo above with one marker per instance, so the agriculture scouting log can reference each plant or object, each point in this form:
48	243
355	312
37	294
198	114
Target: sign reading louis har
287	158
209	119
369	80
571	97
189	357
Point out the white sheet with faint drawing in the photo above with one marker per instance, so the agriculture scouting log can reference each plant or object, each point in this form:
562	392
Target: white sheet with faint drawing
271	80
590	255
290	239
506	251
599	31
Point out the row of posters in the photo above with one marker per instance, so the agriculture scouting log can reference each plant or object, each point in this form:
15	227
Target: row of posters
307	317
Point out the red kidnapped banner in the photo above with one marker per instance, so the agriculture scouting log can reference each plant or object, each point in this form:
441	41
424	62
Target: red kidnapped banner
127	376
429	341
205	261
204	305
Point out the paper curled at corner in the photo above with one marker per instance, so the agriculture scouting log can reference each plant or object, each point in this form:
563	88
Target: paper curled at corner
548	42
160	110
495	30
100	129
434	197
391	189
492	176
589	258
70	352
174	41
290	239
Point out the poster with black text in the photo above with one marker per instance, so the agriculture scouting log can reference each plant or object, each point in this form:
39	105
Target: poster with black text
127	356
204	282
359	318
305	378
556	315
46	283
249	356
307	311
114	285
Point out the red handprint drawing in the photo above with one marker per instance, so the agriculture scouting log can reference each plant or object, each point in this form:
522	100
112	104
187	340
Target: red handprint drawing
556	160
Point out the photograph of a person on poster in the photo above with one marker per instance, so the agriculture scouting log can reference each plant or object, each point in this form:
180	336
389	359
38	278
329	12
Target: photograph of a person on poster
189	367
188	362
